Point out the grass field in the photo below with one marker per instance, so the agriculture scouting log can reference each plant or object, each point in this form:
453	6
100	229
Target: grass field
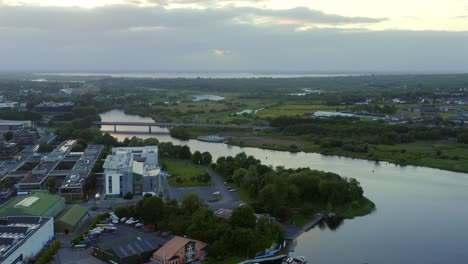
293	110
188	176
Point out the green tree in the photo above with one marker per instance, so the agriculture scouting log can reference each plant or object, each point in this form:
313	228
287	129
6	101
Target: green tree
128	196
121	211
206	158
51	184
243	216
44	147
191	202
8	136
152	210
196	157
184	153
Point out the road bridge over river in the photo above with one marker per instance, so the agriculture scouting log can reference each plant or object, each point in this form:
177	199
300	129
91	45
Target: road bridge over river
169	125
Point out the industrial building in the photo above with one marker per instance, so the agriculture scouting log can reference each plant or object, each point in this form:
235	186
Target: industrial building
40	203
23	237
71	219
128	250
136	170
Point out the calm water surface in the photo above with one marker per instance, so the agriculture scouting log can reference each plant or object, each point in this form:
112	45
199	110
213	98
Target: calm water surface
421	214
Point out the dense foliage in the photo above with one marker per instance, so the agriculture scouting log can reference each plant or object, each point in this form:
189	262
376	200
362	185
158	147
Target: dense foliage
353	135
240	236
278	191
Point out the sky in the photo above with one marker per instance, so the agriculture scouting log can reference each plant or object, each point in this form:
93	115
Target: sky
322	36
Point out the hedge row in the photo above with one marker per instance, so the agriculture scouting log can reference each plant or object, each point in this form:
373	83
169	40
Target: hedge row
91	226
48	254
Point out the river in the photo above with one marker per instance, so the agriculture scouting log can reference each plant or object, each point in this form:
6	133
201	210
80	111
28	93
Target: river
420	218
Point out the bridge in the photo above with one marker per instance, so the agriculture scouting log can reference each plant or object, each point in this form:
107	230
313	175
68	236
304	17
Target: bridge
167	125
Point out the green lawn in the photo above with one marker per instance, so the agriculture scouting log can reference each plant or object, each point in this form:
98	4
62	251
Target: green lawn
188	175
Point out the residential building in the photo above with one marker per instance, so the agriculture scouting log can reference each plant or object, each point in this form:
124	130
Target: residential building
23	237
132	169
180	250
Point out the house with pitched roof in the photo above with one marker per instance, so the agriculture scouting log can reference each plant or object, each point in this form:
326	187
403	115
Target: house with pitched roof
180	250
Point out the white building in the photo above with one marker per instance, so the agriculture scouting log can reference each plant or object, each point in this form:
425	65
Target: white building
23	237
331	114
132	169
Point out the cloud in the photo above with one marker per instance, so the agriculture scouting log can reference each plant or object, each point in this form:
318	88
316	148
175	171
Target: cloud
131	38
220	52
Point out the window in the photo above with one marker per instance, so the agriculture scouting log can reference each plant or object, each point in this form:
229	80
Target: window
109	184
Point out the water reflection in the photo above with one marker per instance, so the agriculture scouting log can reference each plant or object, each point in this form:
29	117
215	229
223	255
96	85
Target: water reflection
420	218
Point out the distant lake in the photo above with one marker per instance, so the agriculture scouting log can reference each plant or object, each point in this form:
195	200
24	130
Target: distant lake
421	212
209	97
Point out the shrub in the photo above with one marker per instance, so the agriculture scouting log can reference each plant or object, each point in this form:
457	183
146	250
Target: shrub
48	254
128	196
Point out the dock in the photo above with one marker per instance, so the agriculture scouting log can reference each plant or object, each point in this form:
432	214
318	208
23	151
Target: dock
293	232
275	259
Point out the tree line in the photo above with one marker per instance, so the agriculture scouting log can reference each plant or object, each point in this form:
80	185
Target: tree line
241	235
283	192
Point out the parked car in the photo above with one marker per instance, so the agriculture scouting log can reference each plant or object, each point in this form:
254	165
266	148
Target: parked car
123	219
217	193
139	225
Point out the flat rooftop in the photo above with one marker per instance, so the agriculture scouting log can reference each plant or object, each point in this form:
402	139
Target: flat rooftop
14	230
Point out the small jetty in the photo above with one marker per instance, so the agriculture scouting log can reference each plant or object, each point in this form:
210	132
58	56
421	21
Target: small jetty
292	233
273	260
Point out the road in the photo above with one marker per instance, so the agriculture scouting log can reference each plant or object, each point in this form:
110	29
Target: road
230	200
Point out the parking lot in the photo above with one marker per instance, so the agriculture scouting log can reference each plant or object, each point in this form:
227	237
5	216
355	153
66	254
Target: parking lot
229	200
68	255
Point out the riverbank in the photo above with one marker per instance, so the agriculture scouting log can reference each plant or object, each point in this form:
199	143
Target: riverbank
443	155
348	211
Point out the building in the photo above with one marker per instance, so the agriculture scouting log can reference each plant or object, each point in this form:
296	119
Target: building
331	114
180	250
52	107
8	150
6	125
26	137
23	237
71	219
134	170
9	105
128	250
40	203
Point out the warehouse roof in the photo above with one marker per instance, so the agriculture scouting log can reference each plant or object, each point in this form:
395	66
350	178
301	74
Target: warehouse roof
74	215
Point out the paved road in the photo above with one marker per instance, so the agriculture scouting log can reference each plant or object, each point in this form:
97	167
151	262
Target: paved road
230	200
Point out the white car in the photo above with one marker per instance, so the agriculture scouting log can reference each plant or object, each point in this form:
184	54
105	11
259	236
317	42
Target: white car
217	193
139	225
115	221
123	219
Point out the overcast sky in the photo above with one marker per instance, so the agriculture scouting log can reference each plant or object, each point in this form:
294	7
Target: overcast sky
234	35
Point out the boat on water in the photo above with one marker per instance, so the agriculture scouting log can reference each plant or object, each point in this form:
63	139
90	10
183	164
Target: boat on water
295	260
212	138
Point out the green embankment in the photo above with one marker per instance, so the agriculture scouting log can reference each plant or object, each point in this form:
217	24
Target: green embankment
185	175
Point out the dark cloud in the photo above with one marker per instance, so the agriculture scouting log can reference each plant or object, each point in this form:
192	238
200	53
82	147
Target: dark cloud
124	38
